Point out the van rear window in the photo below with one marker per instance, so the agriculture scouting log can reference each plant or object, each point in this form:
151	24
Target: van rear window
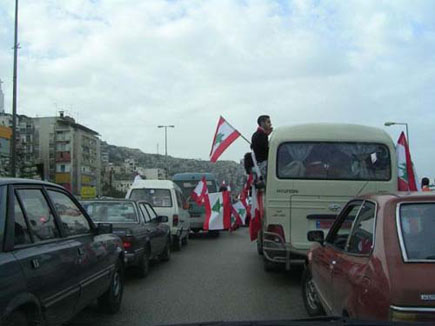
333	161
156	197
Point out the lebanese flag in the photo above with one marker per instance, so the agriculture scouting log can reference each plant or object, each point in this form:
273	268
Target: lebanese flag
200	191
225	135
245	193
406	180
217	211
239	212
257	212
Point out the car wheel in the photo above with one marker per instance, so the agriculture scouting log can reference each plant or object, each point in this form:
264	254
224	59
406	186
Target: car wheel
270	266
310	296
177	243
110	301
185	240
214	233
259	247
166	254
16	318
144	265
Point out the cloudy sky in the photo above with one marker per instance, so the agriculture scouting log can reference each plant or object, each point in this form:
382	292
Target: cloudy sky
124	67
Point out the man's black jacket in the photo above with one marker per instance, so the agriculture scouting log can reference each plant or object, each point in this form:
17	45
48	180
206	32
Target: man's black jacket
260	145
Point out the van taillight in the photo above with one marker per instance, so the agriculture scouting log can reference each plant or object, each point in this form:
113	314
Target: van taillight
278	231
175	220
126	244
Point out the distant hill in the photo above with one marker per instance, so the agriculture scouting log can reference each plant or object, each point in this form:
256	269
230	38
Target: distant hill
230	171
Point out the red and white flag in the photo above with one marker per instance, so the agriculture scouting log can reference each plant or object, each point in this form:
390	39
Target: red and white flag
200	191
225	135
244	195
239	212
257	212
407	180
218	211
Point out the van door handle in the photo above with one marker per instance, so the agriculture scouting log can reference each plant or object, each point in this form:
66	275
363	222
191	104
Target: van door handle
35	263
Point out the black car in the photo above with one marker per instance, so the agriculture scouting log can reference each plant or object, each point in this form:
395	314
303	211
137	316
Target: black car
53	259
144	234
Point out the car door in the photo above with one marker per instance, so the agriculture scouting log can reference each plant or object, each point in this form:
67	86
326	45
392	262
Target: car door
92	266
161	228
151	229
323	262
351	273
47	259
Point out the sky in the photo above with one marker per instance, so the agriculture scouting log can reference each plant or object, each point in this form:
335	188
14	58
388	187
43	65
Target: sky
122	67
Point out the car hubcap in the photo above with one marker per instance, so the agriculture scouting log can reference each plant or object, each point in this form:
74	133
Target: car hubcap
116	284
311	295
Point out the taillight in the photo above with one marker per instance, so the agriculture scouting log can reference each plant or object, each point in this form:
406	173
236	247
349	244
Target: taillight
278	231
175	220
126	244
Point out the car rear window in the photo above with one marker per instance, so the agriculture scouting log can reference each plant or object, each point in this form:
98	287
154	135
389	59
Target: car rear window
111	212
333	161
157	197
188	186
417	228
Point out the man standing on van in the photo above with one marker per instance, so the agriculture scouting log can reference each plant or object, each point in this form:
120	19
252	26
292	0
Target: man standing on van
260	142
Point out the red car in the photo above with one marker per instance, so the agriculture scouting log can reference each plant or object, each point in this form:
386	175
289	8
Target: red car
377	261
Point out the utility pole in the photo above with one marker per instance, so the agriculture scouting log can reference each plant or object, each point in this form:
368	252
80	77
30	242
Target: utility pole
14	100
166	146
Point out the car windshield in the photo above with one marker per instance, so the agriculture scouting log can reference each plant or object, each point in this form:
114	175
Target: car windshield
111	212
334	161
156	197
188	186
417	226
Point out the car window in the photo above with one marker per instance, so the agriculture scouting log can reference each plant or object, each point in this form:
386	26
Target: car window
22	234
340	231
179	199
3	197
111	211
151	211
361	240
417	226
39	215
157	197
145	213
73	221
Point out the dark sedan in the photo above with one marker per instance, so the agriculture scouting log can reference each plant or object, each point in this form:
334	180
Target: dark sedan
143	233
53	259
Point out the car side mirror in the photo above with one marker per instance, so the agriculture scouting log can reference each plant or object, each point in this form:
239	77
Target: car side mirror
162	219
316	236
104	228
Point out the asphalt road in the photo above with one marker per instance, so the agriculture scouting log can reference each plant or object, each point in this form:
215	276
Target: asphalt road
212	279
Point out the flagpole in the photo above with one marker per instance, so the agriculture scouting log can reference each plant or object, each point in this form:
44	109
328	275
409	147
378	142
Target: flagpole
237	131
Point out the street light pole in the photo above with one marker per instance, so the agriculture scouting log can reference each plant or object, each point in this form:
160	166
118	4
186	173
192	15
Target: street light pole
166	145
388	124
14	100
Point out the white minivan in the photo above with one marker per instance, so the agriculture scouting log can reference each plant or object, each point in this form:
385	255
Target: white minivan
168	200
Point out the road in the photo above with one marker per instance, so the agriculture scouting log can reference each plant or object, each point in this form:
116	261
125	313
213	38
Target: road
212	279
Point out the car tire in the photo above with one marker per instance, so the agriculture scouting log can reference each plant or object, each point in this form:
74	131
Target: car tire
185	240
110	301
214	233
312	303
177	243
16	318
259	247
166	254
143	267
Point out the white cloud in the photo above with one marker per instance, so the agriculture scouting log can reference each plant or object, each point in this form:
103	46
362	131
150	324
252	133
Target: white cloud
126	66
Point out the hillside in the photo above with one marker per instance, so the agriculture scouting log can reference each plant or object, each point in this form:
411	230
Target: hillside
229	171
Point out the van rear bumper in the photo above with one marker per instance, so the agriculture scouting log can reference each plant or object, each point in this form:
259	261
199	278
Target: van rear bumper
276	250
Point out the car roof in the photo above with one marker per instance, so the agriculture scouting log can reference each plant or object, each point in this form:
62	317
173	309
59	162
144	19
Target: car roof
114	200
15	181
158	184
400	195
342	132
186	176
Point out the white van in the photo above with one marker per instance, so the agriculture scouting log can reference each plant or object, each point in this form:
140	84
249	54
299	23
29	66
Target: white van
168	200
313	170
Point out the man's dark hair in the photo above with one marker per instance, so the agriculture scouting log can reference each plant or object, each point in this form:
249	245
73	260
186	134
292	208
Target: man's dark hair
425	182
262	118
